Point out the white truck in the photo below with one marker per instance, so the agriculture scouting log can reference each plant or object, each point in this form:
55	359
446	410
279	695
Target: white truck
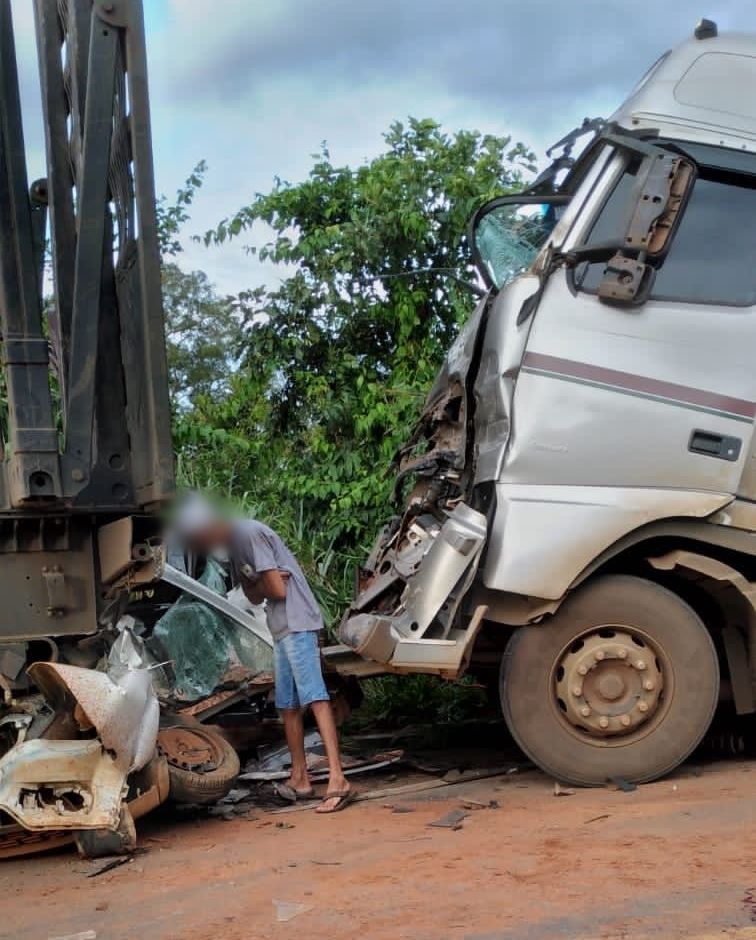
580	493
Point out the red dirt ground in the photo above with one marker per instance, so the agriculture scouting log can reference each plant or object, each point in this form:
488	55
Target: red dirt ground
675	858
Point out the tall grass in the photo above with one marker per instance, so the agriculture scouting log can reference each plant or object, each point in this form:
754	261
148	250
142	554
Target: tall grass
395	701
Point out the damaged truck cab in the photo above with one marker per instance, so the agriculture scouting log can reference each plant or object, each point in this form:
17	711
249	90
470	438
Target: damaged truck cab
580	492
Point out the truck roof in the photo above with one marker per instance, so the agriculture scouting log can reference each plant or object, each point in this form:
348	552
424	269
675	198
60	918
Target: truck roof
704	90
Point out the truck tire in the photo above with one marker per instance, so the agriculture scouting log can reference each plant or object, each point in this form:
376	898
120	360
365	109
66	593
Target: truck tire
622	682
202	764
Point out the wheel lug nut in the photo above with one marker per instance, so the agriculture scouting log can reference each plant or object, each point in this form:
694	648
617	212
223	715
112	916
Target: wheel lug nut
625	720
642	707
582	670
577	691
600	655
585	711
640	664
604	722
622	654
648	685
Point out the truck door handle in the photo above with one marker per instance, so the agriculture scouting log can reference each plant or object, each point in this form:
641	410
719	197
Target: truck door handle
714	445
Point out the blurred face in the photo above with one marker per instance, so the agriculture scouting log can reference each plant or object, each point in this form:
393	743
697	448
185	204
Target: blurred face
214	536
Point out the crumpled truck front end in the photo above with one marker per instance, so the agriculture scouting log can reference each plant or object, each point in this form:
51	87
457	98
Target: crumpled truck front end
412	611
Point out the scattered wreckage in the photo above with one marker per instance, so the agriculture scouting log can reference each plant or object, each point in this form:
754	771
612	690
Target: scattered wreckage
583	475
181	682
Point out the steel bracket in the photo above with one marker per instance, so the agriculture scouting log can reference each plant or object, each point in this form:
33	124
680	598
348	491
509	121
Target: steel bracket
55	582
626	280
663	191
25	351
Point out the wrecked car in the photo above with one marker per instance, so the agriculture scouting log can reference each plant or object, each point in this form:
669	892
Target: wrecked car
88	750
579	497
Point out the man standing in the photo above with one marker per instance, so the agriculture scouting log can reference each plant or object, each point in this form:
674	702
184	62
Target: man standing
268	572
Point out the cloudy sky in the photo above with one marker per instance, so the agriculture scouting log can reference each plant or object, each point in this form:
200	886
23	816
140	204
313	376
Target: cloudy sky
254	86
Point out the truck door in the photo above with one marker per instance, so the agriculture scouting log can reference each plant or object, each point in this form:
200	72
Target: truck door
660	391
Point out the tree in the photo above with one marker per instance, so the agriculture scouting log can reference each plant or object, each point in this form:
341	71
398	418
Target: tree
202	330
338	358
171	216
202	333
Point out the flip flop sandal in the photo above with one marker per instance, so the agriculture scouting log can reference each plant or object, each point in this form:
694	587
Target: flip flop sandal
290	795
343	800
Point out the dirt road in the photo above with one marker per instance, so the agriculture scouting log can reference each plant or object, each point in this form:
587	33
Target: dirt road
676	858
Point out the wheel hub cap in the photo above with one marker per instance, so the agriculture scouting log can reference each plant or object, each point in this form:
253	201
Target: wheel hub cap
608	684
188	748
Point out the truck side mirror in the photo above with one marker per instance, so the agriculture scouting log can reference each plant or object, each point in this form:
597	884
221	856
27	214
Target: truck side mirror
664	183
662	186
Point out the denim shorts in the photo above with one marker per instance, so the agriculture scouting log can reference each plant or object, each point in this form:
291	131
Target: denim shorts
299	677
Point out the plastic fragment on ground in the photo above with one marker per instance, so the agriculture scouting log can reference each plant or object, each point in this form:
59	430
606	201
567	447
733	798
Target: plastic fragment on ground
452	820
84	935
288	910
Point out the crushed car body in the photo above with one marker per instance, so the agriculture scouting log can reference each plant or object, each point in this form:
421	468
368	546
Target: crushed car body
49	783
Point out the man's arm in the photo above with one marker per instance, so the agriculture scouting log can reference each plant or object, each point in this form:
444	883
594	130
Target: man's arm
270	585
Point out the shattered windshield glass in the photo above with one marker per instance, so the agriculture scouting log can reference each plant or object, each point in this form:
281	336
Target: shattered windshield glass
509	237
206	649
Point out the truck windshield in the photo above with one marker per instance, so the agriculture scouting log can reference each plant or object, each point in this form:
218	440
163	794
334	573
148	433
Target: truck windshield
509	236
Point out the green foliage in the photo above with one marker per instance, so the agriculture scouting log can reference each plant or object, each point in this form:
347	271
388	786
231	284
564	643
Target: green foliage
338	356
203	337
202	330
394	701
171	216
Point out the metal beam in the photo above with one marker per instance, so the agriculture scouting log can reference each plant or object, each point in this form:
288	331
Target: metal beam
143	333
33	448
92	205
106	317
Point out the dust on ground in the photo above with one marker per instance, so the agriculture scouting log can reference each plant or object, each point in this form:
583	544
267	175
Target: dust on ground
675	858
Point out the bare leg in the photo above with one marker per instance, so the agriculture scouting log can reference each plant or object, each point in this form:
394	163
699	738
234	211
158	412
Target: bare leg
294	730
337	782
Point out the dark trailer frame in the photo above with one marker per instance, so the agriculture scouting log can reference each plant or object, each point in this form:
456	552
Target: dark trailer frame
88	437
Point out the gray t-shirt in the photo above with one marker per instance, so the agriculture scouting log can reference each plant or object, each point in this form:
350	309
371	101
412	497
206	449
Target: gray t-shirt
255	548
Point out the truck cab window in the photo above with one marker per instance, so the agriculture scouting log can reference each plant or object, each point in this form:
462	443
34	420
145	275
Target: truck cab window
508	234
711	257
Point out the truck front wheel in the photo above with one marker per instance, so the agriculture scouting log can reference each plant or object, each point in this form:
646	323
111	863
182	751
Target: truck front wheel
621	682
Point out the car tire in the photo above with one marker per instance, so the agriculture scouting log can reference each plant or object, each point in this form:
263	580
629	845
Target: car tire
194	779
